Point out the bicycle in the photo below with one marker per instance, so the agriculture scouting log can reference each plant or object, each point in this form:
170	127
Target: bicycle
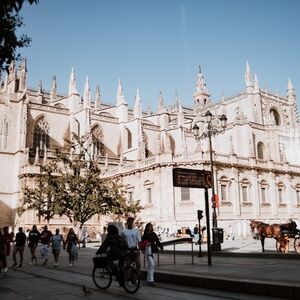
103	275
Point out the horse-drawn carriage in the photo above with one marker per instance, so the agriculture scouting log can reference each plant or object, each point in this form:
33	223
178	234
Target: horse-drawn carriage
282	233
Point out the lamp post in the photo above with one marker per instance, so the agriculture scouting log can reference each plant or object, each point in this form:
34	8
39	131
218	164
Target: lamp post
212	131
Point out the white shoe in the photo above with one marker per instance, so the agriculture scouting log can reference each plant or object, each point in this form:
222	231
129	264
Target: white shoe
70	265
5	269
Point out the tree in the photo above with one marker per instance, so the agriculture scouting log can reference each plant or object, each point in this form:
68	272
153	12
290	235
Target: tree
71	185
10	21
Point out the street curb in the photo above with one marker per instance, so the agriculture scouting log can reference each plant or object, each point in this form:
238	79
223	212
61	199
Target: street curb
229	285
237	254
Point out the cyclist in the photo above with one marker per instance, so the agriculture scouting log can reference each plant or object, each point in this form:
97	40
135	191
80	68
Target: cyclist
133	238
116	248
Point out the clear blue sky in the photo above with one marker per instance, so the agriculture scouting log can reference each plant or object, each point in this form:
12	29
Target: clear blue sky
157	45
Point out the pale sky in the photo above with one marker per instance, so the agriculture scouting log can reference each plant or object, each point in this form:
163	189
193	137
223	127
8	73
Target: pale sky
157	45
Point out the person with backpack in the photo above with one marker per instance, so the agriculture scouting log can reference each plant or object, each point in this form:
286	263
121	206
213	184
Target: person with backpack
116	249
150	243
56	242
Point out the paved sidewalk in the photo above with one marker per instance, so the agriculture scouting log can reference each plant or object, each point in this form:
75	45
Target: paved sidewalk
240	267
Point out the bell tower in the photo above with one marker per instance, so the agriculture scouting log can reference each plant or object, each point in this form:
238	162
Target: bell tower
201	95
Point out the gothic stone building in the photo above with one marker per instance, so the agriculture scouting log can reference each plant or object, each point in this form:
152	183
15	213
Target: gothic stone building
256	161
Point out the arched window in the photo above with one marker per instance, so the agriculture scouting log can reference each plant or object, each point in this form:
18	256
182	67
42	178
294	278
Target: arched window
129	138
274	117
41	134
76	127
98	146
260	150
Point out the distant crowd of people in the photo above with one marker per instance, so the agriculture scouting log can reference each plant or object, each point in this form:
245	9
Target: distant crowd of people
43	240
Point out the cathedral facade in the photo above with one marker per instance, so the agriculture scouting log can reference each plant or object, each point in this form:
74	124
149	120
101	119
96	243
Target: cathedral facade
255	160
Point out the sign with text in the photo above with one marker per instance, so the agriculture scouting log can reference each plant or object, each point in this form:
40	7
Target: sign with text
191	178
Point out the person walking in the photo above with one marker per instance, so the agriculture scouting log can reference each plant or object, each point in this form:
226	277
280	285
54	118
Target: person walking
2	253
103	234
71	242
132	236
19	247
56	242
8	238
45	244
152	242
33	241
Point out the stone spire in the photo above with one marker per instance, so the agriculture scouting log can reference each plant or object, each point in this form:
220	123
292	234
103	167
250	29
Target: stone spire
180	115
40	92
120	96
53	92
137	110
248	78
122	106
201	95
256	84
22	75
98	98
72	84
291	95
87	94
161	107
291	91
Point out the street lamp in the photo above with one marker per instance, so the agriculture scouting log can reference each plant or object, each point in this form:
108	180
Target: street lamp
212	131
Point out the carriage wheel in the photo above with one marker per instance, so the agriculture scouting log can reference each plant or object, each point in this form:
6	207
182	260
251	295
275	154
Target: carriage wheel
297	245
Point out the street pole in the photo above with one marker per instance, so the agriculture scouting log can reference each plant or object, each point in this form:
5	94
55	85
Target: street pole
216	246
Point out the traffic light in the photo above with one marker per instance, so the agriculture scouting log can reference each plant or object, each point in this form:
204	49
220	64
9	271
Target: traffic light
200	214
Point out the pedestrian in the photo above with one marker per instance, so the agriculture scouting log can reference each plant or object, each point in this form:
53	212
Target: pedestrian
132	236
45	244
188	232
33	241
151	238
20	240
8	238
2	253
71	244
56	242
104	234
196	234
83	235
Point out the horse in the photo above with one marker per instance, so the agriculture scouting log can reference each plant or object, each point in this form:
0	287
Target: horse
261	230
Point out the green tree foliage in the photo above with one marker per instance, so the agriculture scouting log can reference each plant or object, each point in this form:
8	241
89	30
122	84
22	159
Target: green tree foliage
10	21
71	185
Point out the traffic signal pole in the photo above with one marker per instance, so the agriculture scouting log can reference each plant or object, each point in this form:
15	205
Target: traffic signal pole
200	216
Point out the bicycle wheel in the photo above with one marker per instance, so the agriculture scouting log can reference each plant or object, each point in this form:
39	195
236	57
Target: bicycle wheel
297	245
102	277
131	279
